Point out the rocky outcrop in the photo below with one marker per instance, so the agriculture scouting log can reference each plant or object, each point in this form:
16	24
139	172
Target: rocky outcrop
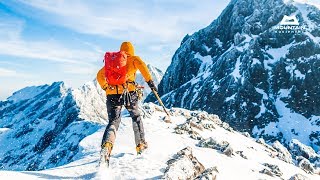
183	166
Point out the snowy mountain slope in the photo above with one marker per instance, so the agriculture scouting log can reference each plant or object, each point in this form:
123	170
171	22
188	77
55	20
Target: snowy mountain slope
255	78
247	160
41	128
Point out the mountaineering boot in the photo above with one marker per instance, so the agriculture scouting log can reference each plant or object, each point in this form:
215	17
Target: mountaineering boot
141	147
105	153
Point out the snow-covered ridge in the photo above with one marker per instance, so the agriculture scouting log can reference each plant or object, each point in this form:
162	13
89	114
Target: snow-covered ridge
310	2
197	145
41	128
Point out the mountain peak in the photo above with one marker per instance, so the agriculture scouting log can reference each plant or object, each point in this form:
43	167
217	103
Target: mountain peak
252	71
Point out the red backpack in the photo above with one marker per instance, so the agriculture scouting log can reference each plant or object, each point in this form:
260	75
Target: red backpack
116	67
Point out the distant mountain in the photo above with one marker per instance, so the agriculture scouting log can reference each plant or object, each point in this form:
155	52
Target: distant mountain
251	72
156	74
41	128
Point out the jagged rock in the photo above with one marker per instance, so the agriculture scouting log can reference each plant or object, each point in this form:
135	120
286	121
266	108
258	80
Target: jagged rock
222	146
215	119
226	126
272	152
149	108
209	174
305	164
297	149
228	151
261	141
274	169
241	154
183	166
238	38
283	153
299	177
246	134
202	116
198	121
266	171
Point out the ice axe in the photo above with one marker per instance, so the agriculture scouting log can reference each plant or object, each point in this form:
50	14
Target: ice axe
167	120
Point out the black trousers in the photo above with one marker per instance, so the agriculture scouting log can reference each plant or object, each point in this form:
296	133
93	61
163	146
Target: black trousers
114	106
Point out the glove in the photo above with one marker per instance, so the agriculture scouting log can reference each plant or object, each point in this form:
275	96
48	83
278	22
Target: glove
152	85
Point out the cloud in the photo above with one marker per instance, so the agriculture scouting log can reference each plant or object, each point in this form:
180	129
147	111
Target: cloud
6	73
12	44
140	21
80	70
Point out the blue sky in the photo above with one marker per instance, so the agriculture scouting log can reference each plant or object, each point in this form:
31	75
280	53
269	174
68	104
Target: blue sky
65	40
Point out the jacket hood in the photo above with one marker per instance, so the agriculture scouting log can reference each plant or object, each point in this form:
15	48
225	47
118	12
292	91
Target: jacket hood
127	47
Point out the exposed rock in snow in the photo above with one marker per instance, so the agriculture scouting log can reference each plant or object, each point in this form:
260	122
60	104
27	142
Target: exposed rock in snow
198	122
209	174
298	149
241	154
305	164
271	170
183	166
283	153
222	146
299	177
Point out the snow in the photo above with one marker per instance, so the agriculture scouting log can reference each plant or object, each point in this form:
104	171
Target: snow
255	61
262	110
91	100
261	91
230	98
299	75
292	125
183	98
195	96
163	144
244	44
262	106
207	48
26	93
206	61
314	39
276	53
236	71
290	120
3	130
305	11
219	42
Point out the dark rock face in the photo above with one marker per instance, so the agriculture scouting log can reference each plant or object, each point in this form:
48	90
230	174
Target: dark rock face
253	77
42	128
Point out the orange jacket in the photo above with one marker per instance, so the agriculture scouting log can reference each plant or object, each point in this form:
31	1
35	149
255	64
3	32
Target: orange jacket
133	64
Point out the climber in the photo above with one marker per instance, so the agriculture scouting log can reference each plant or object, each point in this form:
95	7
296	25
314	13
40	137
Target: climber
117	78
